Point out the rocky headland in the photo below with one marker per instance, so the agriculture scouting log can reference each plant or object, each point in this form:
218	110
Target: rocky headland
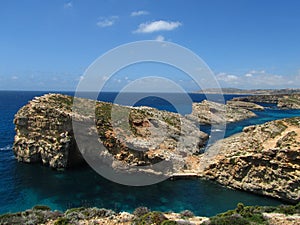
264	159
137	136
208	112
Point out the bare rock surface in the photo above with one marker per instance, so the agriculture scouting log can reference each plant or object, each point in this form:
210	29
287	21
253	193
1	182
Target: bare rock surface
244	105
208	112
263	159
134	136
282	219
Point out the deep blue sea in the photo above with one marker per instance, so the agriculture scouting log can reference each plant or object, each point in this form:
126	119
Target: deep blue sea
25	185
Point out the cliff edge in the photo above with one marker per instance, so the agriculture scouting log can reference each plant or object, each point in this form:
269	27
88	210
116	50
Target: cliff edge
263	159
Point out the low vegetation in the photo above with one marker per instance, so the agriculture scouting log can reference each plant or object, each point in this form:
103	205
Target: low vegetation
253	215
241	215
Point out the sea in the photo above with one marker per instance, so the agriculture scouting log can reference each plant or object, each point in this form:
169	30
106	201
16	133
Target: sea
24	185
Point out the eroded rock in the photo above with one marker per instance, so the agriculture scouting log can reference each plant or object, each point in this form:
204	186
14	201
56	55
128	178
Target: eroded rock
263	159
134	136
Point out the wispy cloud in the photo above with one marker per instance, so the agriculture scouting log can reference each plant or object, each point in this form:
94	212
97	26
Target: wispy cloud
68	5
160	25
160	38
107	21
139	13
258	79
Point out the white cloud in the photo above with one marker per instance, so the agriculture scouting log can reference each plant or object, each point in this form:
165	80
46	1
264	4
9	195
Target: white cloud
68	5
107	21
155	26
226	77
257	71
14	78
258	79
139	13
160	38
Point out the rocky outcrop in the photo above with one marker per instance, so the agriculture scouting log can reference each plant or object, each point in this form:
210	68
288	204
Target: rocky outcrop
263	159
44	132
289	102
207	112
244	105
283	101
135	136
282	219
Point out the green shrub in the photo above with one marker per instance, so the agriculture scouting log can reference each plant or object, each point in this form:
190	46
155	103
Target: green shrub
169	222
235	219
62	221
41	207
287	209
74	210
156	218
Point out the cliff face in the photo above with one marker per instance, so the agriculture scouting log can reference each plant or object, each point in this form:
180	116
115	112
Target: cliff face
289	102
44	133
263	159
207	112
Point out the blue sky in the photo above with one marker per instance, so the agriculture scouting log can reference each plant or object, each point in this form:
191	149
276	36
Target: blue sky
47	45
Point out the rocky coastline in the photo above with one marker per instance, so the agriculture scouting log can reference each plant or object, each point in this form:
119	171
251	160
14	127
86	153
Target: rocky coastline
44	133
263	159
208	112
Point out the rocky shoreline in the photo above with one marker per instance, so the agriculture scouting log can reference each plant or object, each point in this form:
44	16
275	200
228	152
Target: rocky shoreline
264	159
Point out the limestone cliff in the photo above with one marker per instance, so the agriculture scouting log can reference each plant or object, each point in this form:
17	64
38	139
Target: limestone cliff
44	133
263	159
208	112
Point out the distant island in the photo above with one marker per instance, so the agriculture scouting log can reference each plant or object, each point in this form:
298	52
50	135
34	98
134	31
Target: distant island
238	91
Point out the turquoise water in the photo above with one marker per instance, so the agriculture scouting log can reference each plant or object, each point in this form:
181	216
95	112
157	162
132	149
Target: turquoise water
23	185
